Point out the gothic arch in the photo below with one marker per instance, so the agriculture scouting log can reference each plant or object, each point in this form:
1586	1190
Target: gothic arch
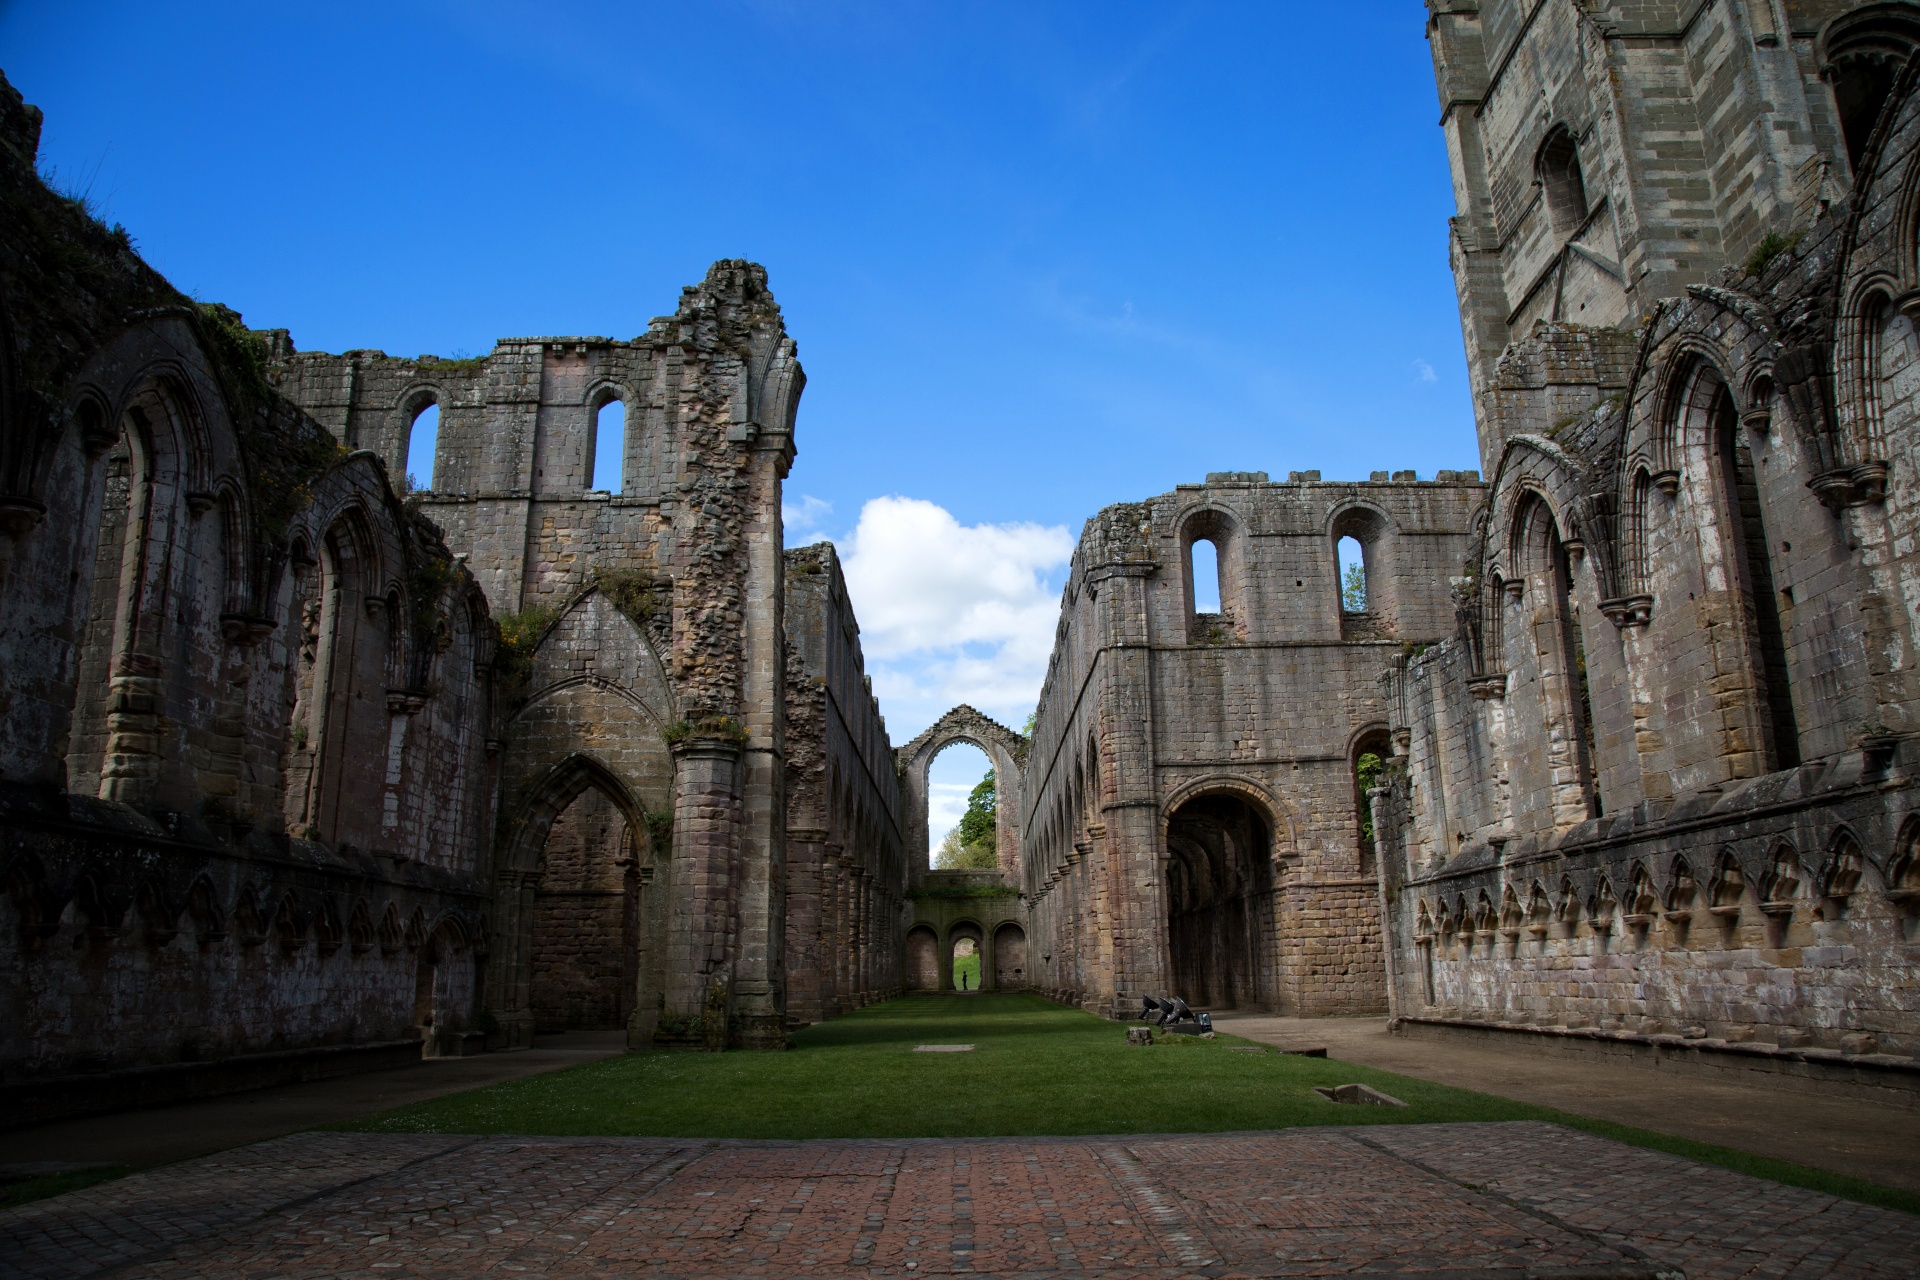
1005	749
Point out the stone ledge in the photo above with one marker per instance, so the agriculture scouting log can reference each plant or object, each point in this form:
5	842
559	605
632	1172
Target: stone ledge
1875	1077
26	1102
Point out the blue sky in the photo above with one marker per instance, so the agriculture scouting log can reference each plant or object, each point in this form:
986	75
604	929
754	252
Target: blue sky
1038	257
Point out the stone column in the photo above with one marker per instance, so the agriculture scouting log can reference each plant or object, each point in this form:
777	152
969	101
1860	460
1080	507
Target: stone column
1132	816
510	964
759	965
807	981
706	881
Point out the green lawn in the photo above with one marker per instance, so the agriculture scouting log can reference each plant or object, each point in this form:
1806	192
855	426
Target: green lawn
1036	1068
966	968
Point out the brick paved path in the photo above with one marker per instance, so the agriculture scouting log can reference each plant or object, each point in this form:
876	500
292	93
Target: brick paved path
1512	1200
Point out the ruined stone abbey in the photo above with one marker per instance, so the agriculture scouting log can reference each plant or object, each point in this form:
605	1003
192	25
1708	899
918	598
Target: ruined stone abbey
302	771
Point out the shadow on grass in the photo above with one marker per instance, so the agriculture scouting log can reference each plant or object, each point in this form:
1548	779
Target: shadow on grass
1037	1069
28	1190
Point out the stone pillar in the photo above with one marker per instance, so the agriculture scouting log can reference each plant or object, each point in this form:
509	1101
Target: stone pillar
701	934
510	969
1132	816
759	965
808	982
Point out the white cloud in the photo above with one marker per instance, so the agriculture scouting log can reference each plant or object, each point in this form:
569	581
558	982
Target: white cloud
1423	372
952	613
801	519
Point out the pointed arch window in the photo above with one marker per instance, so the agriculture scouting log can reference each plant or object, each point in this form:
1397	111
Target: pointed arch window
1563	186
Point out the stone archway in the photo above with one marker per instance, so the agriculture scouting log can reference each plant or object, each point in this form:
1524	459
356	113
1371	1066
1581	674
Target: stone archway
1007	752
1220	902
569	915
923	959
1011	970
966	936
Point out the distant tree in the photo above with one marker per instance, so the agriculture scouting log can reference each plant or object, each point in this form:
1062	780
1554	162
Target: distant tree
974	843
1353	588
1366	776
977	823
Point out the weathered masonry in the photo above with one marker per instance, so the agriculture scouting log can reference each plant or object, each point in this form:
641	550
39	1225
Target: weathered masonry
300	769
1660	778
1188	817
986	908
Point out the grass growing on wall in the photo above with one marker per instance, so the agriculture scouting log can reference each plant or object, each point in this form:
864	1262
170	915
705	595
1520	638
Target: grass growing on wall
1036	1069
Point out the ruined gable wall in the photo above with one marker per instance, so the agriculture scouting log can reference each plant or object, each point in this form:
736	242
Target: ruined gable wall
1262	702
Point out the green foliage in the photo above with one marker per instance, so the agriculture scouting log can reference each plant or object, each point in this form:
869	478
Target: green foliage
977	824
457	364
966	969
1366	772
974	844
1353	588
956	892
1771	246
58	1184
956	855
520	635
639	596
1037	1069
427	582
725	728
659	830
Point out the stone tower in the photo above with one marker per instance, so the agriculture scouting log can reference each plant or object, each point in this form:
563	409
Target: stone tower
1610	153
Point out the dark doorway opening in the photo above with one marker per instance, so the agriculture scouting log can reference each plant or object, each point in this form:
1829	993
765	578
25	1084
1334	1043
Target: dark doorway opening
1220	902
586	920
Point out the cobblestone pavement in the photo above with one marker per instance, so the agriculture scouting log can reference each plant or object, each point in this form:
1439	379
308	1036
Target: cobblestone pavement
1509	1200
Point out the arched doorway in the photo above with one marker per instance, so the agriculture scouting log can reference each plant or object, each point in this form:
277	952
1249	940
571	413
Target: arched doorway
1220	917
923	960
964	956
584	952
1009	957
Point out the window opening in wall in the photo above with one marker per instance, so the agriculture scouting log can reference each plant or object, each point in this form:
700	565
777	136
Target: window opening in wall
1755	566
609	446
1205	569
1353	576
1860	89
1566	191
423	440
962	810
1574	646
1369	762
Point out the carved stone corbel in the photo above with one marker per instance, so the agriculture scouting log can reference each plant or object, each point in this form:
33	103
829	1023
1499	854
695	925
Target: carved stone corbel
1628	611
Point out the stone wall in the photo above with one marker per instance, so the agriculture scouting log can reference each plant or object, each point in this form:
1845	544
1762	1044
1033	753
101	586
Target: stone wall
1188	815
1660	778
637	619
1695	130
847	861
243	780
